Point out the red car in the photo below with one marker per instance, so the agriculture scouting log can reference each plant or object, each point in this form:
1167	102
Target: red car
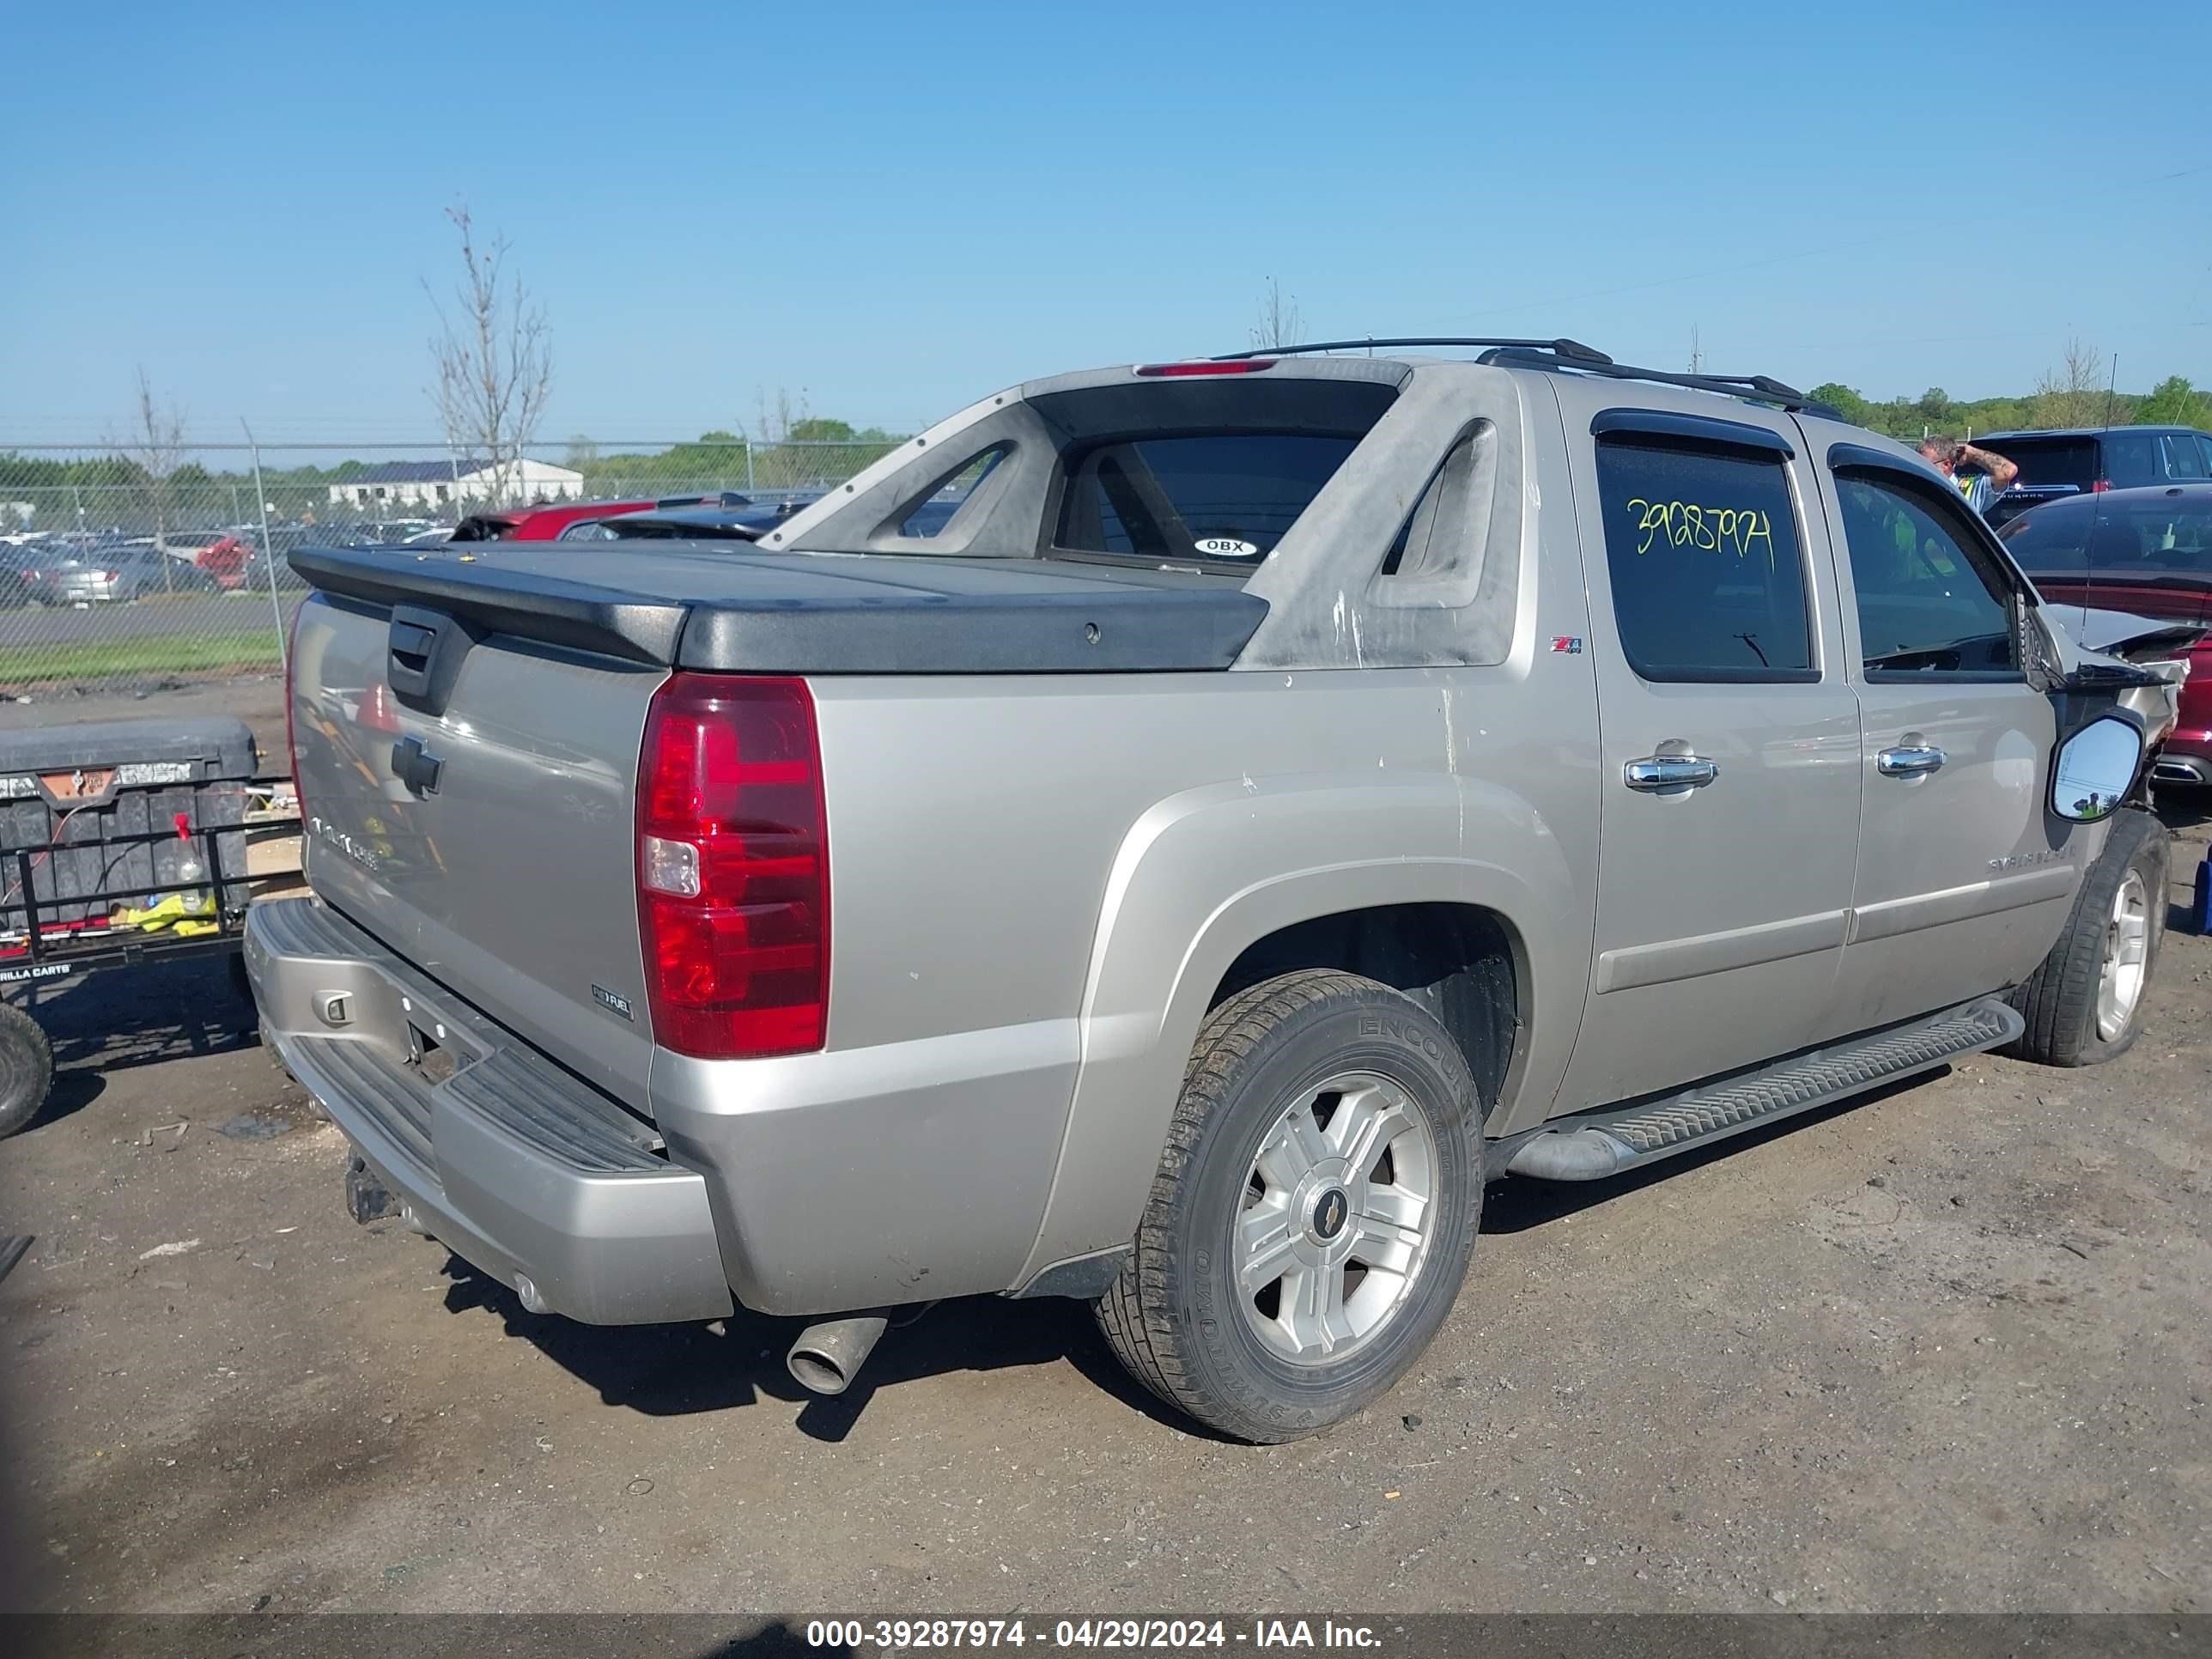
545	522
221	557
2145	551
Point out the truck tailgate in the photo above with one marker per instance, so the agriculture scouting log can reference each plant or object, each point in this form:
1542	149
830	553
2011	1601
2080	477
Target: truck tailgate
509	878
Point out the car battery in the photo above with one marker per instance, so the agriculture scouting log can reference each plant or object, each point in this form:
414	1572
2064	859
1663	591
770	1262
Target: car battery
78	802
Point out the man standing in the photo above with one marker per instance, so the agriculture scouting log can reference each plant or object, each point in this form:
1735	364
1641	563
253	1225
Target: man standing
1990	476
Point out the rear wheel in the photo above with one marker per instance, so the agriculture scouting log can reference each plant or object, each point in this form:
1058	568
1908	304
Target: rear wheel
2084	1004
1314	1213
27	1069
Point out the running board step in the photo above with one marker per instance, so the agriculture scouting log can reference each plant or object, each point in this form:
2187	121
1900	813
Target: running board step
1604	1143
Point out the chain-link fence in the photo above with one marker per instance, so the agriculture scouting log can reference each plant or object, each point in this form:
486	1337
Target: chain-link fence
123	570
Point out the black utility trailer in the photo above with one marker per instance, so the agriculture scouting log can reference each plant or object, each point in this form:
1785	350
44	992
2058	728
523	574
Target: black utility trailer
121	841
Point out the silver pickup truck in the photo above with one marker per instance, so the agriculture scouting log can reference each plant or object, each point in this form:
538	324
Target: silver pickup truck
1170	836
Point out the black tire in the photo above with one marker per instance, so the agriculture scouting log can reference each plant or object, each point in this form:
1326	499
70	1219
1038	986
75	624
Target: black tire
1176	1317
27	1069
2059	1000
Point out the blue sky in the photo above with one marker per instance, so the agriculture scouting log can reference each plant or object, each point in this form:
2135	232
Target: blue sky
894	208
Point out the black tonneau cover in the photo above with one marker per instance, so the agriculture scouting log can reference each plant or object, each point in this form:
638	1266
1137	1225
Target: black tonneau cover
710	607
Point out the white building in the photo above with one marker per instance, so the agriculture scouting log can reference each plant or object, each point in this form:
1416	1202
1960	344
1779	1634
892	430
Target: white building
392	485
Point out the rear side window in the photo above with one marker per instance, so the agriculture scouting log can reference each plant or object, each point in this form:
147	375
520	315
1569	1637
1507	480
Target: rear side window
2130	458
1708	577
1926	608
1221	498
2051	538
929	515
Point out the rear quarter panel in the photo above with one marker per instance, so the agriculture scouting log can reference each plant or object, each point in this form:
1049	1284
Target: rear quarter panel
1063	870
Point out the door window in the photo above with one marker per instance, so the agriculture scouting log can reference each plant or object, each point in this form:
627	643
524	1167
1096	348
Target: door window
1708	576
2184	460
1926	606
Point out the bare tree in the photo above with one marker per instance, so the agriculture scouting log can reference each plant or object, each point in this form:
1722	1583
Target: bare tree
1280	324
2074	394
157	443
775	424
494	359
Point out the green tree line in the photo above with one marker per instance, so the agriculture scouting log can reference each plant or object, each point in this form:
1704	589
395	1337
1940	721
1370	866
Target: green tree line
2172	402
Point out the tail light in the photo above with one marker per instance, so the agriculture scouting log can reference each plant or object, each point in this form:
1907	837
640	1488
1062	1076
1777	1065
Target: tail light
2101	486
733	868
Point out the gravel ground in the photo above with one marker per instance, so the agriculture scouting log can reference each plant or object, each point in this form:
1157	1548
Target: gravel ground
1945	1349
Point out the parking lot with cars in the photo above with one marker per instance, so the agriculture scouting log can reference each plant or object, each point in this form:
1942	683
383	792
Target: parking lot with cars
1940	1349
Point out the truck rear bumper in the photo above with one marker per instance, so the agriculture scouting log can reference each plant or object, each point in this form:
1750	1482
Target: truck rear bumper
514	1165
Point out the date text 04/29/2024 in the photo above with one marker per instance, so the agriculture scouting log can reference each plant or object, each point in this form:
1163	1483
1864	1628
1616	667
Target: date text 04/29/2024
897	1635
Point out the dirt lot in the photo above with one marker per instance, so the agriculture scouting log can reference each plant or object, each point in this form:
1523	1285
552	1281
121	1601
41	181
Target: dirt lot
1949	1349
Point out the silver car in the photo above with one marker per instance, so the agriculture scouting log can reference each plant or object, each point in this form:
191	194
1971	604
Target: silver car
1270	799
91	578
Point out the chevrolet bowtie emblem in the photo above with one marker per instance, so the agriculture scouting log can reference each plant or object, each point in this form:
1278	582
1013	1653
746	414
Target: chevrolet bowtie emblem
415	766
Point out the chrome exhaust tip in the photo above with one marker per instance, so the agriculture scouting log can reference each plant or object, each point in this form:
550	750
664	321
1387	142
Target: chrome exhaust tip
827	1357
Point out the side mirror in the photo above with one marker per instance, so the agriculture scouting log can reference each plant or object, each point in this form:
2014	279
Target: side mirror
2095	768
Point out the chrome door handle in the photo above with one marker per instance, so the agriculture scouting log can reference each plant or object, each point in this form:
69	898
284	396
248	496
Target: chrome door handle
1909	761
1656	772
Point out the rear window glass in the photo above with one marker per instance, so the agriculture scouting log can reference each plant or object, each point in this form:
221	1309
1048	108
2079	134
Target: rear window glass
2051	460
1708	583
1221	497
2054	537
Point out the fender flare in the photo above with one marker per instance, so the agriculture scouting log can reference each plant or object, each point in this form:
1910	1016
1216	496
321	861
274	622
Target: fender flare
1204	874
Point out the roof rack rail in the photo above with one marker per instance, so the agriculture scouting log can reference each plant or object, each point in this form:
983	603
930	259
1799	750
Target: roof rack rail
1757	388
1568	351
1567	355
